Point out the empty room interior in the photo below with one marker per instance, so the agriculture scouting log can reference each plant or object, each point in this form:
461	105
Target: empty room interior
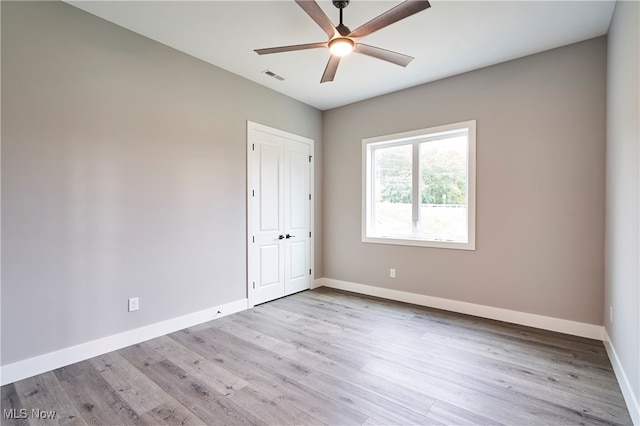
331	212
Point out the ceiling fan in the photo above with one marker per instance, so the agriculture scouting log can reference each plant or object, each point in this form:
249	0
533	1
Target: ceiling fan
343	41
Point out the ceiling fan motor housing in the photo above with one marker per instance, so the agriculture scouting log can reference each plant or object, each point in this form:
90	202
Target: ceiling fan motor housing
343	30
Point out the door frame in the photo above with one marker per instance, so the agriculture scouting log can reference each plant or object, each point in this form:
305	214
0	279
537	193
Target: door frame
251	169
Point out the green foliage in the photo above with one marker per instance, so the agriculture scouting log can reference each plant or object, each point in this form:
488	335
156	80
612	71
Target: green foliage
443	174
397	192
393	168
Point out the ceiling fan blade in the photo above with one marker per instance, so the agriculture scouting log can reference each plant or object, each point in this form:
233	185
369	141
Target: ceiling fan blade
330	70
385	55
290	48
395	14
314	11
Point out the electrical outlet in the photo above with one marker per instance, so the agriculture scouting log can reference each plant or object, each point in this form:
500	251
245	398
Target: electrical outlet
611	314
392	273
134	304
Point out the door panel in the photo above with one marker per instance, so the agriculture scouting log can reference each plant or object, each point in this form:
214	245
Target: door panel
269	285
298	265
279	213
270	190
298	186
269	261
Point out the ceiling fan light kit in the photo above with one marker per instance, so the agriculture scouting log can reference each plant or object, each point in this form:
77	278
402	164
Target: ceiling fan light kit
342	41
341	46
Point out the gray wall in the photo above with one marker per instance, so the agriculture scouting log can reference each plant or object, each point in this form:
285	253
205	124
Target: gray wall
622	277
540	186
123	174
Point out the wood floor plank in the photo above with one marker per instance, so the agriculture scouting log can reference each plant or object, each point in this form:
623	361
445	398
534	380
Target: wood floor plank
93	397
170	414
555	388
428	317
141	393
372	422
200	327
390	338
494	409
45	393
521	335
270	409
362	400
272	374
563	363
273	344
329	357
220	379
493	402
396	393
12	408
530	386
327	314
312	341
141	355
449	414
210	406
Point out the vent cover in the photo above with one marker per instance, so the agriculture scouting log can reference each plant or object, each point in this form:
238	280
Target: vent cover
274	75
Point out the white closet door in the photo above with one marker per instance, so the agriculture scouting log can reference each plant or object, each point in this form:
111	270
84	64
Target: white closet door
279	213
268	218
296	217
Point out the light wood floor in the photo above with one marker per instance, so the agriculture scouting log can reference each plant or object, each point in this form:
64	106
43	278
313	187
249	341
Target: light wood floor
335	358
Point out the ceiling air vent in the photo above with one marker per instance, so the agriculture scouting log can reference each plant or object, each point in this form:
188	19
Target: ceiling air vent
274	75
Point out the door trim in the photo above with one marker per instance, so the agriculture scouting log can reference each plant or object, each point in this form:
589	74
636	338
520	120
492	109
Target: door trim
251	169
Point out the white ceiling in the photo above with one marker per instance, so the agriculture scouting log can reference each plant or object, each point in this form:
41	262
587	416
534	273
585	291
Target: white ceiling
449	38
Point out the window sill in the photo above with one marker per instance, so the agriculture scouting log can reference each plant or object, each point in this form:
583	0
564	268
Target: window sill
421	243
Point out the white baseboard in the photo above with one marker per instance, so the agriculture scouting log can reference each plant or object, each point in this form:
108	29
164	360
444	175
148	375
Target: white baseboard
627	391
532	320
40	364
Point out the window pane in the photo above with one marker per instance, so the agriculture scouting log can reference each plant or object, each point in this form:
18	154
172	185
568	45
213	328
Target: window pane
443	192
392	191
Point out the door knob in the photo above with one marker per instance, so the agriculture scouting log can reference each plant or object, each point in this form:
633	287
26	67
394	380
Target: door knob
290	236
281	237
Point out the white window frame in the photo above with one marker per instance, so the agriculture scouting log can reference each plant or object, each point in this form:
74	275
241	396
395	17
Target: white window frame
416	137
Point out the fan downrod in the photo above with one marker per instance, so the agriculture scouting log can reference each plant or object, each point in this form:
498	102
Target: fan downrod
343	30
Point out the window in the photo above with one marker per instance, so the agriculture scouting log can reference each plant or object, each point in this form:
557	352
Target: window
419	187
